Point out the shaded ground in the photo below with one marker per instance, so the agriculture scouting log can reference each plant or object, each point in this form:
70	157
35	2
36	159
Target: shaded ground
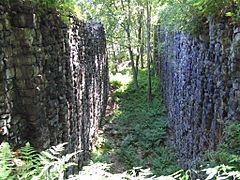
135	133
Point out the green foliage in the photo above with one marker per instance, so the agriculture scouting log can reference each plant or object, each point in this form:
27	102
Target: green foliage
144	130
142	134
103	150
54	163
221	172
23	164
116	84
26	163
214	7
191	15
102	171
63	5
140	130
124	23
5	161
228	152
29	161
224	163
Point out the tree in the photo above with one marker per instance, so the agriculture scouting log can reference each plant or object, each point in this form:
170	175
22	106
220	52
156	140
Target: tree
148	24
126	27
120	19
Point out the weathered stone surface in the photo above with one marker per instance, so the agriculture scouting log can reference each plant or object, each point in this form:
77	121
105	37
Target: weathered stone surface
53	85
200	81
24	20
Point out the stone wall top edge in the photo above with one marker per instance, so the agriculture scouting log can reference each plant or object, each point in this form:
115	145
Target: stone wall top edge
30	7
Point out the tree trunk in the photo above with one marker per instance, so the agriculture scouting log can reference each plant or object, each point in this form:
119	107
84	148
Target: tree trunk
149	52
114	58
139	37
141	54
134	70
142	49
127	29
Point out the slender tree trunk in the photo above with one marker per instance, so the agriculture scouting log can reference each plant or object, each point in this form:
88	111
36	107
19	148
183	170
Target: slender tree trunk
134	70
139	37
137	62
114	58
131	56
141	54
142	48
149	52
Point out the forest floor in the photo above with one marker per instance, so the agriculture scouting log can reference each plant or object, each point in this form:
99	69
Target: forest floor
134	135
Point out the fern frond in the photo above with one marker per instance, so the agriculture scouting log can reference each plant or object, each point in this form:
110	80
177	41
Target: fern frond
49	155
27	163
5	161
59	148
54	163
30	162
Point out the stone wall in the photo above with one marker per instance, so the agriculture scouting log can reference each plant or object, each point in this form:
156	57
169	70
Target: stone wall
200	82
53	78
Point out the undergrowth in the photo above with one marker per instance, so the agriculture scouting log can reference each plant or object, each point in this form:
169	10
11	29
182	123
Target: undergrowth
228	151
139	136
139	130
28	164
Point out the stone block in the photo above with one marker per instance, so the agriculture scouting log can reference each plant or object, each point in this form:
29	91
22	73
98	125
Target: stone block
1	27
22	60
9	84
8	52
7	24
21	84
1	69
10	73
10	40
2	99
27	93
25	72
24	20
4	116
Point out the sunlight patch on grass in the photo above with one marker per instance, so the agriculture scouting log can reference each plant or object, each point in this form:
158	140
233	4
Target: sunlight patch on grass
123	78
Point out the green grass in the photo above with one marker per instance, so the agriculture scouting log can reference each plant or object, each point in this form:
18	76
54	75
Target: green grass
141	129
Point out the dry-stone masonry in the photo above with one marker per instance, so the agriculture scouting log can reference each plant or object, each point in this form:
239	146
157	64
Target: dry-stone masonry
200	82
53	78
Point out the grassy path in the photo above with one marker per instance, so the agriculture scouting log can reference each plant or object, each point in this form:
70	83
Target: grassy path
135	134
